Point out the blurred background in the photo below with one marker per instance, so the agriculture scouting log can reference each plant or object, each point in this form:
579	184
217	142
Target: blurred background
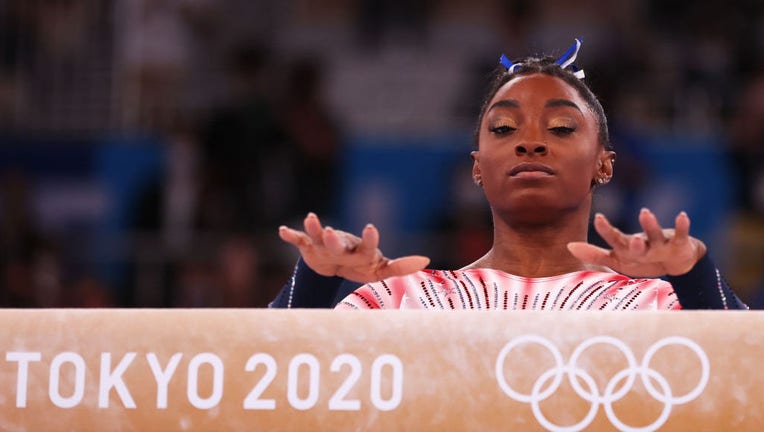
149	149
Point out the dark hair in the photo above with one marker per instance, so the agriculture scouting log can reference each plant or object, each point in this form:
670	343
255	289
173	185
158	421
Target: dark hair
547	66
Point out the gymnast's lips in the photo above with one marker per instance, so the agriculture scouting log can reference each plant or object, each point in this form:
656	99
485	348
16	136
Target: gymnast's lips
530	167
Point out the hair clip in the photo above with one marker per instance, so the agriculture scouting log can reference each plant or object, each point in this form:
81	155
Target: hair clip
565	60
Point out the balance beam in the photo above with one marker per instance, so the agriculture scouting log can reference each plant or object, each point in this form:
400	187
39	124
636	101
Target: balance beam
299	370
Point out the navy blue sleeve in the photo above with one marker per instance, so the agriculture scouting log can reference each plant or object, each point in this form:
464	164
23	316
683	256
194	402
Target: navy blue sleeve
308	289
704	288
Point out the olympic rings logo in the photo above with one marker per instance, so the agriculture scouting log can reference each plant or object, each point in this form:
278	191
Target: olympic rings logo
589	390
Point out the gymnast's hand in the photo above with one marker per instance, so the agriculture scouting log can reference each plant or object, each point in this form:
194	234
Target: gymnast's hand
652	253
331	252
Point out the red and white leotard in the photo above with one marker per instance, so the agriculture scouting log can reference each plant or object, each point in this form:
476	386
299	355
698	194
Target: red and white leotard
495	289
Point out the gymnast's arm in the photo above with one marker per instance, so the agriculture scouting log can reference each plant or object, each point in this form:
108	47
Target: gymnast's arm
308	289
669	253
334	263
704	288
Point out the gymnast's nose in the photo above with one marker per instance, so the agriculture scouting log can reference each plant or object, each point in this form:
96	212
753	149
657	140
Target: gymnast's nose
526	148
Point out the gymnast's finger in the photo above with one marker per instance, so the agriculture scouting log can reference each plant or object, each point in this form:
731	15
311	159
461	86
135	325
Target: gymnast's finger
369	240
682	228
403	266
651	227
314	229
339	242
637	245
592	254
297	238
612	235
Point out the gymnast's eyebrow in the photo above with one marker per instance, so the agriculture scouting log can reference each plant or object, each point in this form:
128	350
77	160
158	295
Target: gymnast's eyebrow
552	103
507	103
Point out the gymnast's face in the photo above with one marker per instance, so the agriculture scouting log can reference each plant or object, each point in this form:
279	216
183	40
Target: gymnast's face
538	148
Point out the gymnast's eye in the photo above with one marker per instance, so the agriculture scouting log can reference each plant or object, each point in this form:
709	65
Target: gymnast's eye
501	129
562	130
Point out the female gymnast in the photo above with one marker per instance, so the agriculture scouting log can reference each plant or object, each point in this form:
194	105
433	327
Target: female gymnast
542	149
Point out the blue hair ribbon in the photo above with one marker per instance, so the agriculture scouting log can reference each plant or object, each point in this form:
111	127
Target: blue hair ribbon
565	60
569	57
507	63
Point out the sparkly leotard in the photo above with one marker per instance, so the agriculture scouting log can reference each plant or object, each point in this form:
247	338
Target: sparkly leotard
700	288
495	289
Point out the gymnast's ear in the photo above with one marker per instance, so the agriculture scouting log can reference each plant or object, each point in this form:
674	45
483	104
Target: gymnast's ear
608	163
477	176
475	155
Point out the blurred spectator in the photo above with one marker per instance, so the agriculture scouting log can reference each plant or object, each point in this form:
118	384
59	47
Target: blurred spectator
248	175
746	247
89	292
10	39
315	137
195	286
18	290
8	95
64	60
238	275
47	278
747	149
466	226
403	21
746	231
20	241
156	52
